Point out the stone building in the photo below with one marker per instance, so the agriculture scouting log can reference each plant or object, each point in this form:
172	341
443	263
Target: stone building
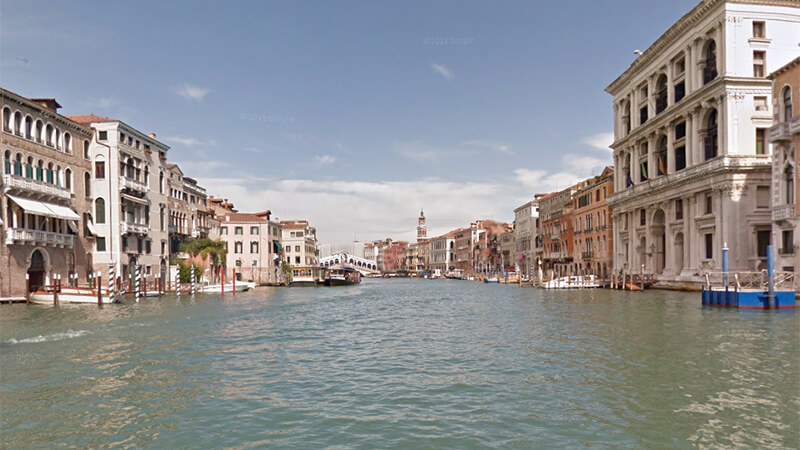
785	139
555	212
45	195
526	224
507	250
443	253
129	189
591	221
690	116
253	244
188	209
299	241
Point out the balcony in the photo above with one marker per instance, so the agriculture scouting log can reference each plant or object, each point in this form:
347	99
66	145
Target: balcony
779	132
134	228
587	255
36	187
133	185
783	212
794	125
22	236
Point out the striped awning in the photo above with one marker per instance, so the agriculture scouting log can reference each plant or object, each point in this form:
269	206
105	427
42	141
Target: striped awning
44	209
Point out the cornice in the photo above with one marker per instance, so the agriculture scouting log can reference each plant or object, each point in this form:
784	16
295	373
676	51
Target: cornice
45	113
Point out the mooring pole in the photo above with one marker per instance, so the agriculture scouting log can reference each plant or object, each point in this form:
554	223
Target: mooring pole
770	278
27	288
111	283
55	289
233	281
99	289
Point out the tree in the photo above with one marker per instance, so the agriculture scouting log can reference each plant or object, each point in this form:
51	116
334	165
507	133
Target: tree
213	251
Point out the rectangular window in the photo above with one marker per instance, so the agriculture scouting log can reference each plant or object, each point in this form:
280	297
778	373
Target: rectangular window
759	63
148	246
761	141
642	217
680	91
237	247
760	103
99	170
762	240
758	29
288	249
709	245
679	209
297	260
164	247
680	158
787	246
223	230
254	230
680	131
102	135
297	248
254	247
709	204
100	243
643	115
238	230
762	197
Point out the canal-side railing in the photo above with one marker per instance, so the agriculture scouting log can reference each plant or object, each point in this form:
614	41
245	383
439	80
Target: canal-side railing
751	280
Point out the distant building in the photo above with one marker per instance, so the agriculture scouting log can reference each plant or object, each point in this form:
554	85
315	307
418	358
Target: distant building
443	252
47	196
188	210
253	244
422	228
785	139
593	247
555	212
526	230
300	243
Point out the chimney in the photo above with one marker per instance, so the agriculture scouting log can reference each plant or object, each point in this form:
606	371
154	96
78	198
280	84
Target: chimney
152	135
49	103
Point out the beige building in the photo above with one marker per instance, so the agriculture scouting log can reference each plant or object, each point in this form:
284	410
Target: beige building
299	242
785	139
253	243
188	210
46	193
690	157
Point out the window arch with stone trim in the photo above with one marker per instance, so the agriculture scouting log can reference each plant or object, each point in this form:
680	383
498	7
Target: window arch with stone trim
786	103
710	61
711	139
8	119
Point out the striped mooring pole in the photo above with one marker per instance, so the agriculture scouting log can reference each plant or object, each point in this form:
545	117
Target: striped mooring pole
191	285
136	281
110	283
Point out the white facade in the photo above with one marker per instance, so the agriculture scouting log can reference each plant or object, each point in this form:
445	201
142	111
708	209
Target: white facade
299	242
443	253
525	235
688	166
129	191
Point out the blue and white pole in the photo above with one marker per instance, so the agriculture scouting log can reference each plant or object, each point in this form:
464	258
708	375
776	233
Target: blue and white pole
191	281
725	265
138	277
770	279
110	283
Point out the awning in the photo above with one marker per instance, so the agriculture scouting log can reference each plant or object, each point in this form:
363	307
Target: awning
135	199
72	226
92	229
44	209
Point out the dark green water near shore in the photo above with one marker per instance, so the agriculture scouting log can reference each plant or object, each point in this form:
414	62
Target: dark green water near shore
400	363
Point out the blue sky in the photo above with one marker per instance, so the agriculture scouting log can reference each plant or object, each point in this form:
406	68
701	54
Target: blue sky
352	114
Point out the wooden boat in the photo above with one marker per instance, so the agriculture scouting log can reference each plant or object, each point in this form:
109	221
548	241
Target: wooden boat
342	276
491	280
241	286
308	276
573	282
68	294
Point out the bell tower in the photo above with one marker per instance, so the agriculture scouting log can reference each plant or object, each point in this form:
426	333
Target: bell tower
422	230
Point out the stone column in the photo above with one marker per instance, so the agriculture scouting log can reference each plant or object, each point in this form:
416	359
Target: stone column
635	167
691	68
690	141
671	148
722	124
691	261
651	156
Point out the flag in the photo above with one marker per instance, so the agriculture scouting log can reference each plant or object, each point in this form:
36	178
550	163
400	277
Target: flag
662	167
644	169
277	247
630	181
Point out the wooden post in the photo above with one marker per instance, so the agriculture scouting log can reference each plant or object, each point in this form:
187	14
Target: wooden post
222	281
99	289
27	288
641	275
55	290
233	281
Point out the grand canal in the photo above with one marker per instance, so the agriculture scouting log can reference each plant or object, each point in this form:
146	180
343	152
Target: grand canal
400	363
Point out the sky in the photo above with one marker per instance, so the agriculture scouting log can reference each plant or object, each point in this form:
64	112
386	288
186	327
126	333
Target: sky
353	115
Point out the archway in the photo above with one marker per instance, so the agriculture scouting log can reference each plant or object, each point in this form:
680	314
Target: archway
659	240
37	270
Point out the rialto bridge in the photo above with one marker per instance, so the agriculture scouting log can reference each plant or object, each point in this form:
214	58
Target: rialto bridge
365	266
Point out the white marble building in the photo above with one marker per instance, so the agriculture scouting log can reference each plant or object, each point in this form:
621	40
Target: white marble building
690	149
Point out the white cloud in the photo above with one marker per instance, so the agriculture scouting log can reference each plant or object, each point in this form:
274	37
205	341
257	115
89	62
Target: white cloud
104	102
442	70
600	141
188	141
190	92
496	146
324	159
585	166
424	153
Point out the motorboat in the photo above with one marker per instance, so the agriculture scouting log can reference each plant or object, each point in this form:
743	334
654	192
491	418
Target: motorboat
240	286
308	276
46	295
342	276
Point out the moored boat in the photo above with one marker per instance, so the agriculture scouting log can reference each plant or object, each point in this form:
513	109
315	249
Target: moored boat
342	276
573	282
307	276
68	294
241	286
491	280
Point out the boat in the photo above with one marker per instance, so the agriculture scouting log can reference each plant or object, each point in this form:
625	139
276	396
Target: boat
491	280
68	294
572	282
342	275
241	286
307	276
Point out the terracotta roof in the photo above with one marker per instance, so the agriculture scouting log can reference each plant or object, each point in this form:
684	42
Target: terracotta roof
90	118
294	223
246	217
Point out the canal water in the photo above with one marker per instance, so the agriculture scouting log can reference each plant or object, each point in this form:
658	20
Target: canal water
400	363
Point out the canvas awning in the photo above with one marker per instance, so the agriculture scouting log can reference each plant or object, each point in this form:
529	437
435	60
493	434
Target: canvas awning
44	209
92	229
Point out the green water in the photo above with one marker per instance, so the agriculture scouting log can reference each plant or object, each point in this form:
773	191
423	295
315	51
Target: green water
404	364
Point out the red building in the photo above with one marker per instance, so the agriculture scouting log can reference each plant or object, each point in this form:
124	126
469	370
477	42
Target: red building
394	256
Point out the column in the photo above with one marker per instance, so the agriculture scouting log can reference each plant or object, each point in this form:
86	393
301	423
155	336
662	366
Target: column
690	142
670	148
688	238
670	88
635	166
651	156
691	68
723	111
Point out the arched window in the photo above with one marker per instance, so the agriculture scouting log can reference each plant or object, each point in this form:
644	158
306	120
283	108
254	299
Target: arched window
18	123
87	184
788	179
67	143
787	103
28	127
129	169
711	144
18	165
710	69
59	144
49	178
661	156
86	149
7	119
100	210
68	179
147	175
661	94
29	167
48	135
7	163
38	134
40	170
160	182
58	176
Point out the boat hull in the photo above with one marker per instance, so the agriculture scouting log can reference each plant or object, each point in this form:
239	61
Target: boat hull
69	295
